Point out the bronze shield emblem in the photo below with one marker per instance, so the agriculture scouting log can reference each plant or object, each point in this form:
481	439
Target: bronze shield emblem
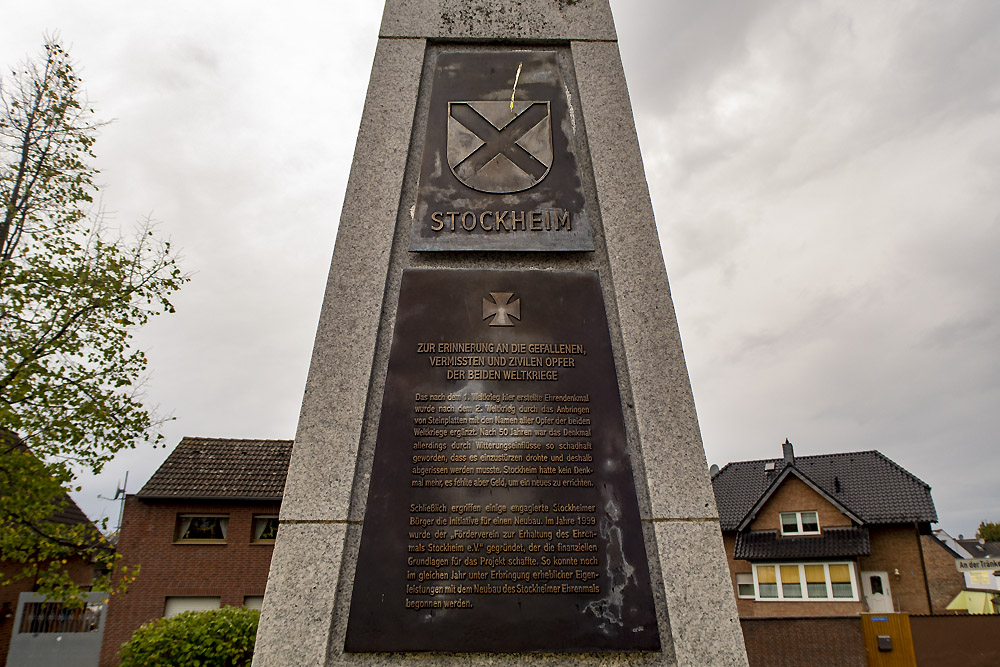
497	147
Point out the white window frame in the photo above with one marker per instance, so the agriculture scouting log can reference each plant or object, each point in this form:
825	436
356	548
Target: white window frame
802	582
798	523
743	579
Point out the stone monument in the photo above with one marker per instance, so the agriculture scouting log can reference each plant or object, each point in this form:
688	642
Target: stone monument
498	457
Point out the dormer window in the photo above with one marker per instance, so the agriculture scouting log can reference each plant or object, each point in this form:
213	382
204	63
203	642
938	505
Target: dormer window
799	523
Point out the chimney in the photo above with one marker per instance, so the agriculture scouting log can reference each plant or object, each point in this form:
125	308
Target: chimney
787	453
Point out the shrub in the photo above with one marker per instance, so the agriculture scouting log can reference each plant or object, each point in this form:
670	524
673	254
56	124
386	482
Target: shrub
217	638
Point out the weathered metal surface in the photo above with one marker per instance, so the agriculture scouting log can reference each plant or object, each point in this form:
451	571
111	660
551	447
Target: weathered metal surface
499	169
502	512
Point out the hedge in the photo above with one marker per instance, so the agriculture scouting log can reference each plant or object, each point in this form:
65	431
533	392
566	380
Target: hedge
217	638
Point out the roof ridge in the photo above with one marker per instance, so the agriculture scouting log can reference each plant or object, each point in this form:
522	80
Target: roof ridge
808	456
203	437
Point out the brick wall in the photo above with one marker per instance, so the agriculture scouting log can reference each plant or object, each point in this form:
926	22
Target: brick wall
945	581
898	548
969	641
794	495
231	571
804	642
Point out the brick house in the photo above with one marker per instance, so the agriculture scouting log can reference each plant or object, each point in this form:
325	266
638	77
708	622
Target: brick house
202	531
80	570
831	535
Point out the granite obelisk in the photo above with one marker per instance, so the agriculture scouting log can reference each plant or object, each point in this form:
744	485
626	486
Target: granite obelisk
498	453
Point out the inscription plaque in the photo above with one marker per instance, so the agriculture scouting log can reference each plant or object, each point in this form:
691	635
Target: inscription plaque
502	513
499	169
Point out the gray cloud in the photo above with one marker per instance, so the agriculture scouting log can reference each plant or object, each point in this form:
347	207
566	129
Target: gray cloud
823	174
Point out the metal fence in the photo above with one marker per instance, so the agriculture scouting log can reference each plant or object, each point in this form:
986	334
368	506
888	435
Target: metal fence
40	617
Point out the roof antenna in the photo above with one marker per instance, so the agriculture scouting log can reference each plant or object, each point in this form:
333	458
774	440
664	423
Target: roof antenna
120	493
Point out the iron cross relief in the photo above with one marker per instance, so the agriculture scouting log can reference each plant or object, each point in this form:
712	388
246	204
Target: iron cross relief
503	308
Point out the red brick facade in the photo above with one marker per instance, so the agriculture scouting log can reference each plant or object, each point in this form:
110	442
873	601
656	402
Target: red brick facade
944	580
804	642
233	570
794	495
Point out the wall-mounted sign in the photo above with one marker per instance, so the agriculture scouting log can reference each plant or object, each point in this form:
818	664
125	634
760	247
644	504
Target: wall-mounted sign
967	564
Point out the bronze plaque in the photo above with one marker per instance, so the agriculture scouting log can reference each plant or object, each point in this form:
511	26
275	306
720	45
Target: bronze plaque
502	515
499	168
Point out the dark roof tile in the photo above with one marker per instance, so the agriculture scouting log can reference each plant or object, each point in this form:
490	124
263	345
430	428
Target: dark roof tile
839	542
70	514
867	483
981	549
219	468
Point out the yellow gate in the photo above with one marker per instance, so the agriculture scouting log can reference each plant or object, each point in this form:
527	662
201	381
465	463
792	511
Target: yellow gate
888	640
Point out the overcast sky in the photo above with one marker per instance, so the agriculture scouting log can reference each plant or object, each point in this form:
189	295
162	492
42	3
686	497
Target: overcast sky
825	176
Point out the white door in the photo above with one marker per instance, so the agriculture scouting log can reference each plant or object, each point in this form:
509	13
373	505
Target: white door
878	597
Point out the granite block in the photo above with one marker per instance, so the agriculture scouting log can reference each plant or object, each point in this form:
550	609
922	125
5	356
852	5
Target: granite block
664	405
312	576
321	471
498	19
701	601
299	601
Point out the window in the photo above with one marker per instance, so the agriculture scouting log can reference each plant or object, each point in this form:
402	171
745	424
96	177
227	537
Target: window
253	602
791	582
202	527
767	582
804	581
744	585
799	523
842	579
265	527
179	605
816	581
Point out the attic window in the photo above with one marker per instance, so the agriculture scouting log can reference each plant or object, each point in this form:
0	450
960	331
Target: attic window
799	523
769	466
202	528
